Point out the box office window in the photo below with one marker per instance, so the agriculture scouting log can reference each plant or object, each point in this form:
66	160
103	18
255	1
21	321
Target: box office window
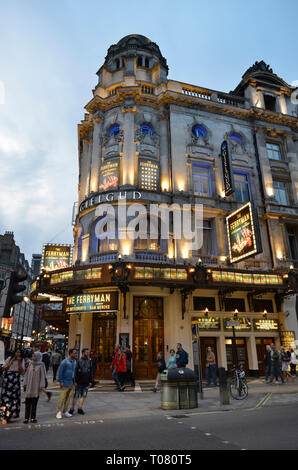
260	305
201	303
232	304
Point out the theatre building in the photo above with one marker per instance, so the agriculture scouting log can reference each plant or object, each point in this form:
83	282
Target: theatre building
148	140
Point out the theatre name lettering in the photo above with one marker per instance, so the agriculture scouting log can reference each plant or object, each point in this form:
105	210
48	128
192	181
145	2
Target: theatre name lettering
92	302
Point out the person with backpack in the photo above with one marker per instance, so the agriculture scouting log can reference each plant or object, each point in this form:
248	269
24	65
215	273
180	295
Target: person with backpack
181	356
285	362
161	366
83	379
275	365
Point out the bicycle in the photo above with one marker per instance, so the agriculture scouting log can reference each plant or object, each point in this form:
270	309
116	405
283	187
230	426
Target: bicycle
238	384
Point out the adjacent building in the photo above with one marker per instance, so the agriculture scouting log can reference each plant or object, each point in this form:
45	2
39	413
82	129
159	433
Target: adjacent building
147	139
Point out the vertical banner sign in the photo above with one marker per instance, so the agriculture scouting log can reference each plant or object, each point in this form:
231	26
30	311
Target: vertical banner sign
148	174
244	236
56	256
109	175
227	168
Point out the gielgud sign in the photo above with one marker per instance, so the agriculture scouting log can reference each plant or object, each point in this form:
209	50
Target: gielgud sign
92	302
244	236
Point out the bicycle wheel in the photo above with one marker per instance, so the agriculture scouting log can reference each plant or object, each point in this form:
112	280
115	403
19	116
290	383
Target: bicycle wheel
238	391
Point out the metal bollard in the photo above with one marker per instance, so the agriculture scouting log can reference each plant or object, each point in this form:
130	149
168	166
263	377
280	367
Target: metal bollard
224	395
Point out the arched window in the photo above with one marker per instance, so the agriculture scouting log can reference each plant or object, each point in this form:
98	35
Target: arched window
236	138
114	129
146	128
199	131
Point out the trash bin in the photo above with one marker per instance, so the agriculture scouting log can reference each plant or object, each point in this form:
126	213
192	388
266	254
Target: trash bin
178	389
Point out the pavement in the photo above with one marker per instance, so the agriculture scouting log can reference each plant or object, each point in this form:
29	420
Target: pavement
104	402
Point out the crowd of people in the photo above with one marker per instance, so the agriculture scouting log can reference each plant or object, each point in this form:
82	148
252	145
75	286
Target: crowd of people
277	362
76	376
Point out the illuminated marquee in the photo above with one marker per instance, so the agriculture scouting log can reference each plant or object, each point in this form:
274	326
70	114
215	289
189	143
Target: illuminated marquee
56	256
92	302
243	233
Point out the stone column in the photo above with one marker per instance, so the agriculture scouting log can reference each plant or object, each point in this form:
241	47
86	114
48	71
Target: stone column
293	168
252	354
129	147
83	170
265	164
221	352
165	177
96	154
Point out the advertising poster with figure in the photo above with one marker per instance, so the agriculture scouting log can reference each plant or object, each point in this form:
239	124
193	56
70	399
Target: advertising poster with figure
56	256
243	233
109	175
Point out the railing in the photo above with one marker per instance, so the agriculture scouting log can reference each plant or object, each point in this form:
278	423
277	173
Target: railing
104	258
230	100
218	97
148	90
152	257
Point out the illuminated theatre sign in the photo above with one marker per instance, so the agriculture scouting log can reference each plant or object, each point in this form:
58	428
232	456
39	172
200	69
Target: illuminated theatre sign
109	175
56	256
243	233
228	175
92	302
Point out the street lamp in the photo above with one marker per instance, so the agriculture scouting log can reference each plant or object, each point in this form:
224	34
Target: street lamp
26	299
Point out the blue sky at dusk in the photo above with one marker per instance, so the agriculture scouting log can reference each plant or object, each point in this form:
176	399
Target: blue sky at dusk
49	54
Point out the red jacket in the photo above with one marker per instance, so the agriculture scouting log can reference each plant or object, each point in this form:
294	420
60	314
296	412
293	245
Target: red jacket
119	362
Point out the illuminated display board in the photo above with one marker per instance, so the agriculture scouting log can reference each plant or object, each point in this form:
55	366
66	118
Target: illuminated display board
161	273
244	324
109	174
287	339
246	278
207	323
92	302
91	273
56	256
265	324
148	174
243	233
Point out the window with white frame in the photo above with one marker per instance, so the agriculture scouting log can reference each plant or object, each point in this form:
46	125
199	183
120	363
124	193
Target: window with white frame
273	151
281	192
242	186
207	247
201	180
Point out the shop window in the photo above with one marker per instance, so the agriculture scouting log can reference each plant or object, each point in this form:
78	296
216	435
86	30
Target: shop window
232	304
281	192
242	186
270	102
260	305
201	180
273	151
201	303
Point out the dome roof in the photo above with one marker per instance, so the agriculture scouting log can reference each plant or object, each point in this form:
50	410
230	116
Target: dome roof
133	42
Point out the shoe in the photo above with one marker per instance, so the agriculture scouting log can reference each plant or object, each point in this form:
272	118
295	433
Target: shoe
33	420
154	389
59	415
26	421
68	415
71	411
49	395
80	411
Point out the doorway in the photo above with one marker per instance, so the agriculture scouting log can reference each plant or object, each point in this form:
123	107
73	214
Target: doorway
261	344
148	330
103	343
240	349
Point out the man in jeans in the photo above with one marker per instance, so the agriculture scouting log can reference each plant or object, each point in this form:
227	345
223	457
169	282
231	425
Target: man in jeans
83	378
275	365
66	379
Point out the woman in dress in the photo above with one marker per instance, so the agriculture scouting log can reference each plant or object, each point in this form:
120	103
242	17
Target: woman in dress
10	402
285	362
34	383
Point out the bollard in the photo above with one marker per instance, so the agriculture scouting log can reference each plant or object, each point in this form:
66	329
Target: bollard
224	395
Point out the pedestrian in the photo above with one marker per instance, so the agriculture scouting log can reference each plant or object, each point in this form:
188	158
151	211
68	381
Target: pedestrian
93	359
211	366
34	383
10	402
121	369
161	366
66	378
285	361
113	366
83	379
129	373
275	365
181	356
293	362
46	359
267	360
56	360
172	360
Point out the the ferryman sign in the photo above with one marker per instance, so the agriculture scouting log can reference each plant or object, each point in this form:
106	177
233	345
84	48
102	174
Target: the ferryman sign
92	302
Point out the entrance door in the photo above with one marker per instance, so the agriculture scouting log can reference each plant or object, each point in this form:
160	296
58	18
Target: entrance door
261	344
103	343
148	335
205	343
241	353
